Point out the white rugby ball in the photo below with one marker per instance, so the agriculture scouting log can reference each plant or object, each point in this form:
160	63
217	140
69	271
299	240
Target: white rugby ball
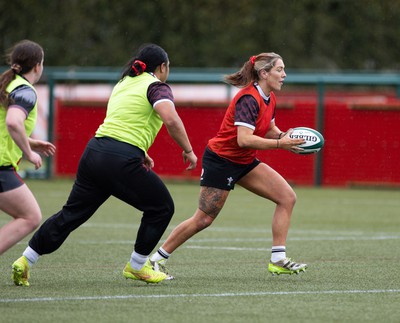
314	140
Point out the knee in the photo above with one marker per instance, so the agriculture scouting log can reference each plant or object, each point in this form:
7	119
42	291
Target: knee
203	221
288	199
170	209
34	220
163	213
292	198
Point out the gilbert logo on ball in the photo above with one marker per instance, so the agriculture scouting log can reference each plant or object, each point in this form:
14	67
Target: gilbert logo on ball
314	140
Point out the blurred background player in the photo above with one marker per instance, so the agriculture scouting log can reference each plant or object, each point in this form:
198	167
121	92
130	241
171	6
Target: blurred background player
230	158
115	162
18	113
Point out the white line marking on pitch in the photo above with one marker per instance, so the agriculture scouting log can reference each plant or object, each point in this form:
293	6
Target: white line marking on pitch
366	238
97	298
230	240
130	226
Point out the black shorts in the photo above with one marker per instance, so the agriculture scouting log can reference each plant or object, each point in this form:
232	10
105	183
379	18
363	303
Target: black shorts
9	179
221	173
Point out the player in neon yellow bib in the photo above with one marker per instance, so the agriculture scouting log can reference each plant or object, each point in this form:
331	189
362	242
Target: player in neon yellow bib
10	152
18	111
136	124
115	162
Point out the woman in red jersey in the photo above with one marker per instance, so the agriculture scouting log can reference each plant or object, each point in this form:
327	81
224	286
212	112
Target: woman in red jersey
230	158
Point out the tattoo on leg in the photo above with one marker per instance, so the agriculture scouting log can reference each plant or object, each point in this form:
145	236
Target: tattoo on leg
212	200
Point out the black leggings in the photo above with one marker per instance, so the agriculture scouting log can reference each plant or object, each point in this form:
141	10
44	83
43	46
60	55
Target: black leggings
109	167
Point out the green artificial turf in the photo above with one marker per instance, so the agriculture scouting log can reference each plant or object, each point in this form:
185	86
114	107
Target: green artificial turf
349	237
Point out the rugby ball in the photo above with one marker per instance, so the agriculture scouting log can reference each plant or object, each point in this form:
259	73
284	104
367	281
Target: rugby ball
314	140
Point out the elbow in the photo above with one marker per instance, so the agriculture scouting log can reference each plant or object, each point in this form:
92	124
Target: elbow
170	124
11	125
173	124
171	120
243	143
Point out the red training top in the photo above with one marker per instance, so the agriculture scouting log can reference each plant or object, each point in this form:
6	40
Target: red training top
250	108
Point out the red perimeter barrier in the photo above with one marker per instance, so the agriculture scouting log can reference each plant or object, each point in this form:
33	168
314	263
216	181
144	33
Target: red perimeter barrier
361	141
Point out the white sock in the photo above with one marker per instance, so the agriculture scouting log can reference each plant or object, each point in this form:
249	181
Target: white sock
278	253
160	255
31	255
137	261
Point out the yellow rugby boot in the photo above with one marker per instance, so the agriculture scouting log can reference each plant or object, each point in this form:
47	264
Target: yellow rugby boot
286	266
20	272
147	273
